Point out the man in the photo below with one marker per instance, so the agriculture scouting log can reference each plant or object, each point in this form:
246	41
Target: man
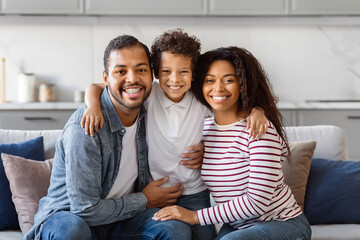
99	185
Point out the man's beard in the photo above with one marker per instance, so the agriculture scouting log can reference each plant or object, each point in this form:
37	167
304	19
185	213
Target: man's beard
122	102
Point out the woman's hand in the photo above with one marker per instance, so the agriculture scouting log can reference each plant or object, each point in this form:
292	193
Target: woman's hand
257	122
92	119
176	213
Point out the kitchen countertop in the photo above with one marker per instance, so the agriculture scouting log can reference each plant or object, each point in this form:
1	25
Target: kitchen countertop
41	106
320	105
281	105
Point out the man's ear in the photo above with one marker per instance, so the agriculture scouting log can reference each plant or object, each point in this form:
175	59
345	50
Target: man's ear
105	78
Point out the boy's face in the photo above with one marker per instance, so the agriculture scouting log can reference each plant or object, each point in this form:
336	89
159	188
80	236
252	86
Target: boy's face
130	78
175	75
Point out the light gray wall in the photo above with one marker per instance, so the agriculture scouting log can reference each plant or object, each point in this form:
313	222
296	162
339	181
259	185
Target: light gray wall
304	59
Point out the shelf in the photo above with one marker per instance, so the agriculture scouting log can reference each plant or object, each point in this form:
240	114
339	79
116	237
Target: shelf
41	106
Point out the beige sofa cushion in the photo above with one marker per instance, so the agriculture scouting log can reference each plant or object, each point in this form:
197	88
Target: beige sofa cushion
296	170
29	181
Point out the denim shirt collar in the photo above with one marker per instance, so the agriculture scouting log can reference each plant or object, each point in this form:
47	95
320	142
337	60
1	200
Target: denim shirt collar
109	109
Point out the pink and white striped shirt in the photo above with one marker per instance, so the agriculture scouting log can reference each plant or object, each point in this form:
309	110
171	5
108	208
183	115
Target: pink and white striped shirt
244	176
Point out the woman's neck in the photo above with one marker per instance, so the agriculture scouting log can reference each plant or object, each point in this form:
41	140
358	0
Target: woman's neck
226	118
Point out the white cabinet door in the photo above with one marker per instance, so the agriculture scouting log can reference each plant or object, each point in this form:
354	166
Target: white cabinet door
247	7
42	6
348	120
34	119
145	7
325	7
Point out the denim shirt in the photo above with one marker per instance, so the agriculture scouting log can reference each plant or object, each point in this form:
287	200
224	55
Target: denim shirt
85	168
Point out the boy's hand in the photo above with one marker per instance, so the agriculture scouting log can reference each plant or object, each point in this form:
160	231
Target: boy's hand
178	213
158	196
257	122
194	157
92	120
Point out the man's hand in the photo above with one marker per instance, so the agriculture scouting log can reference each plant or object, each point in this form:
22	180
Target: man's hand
194	156
158	196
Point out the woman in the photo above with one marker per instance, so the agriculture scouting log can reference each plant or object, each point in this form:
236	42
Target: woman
243	175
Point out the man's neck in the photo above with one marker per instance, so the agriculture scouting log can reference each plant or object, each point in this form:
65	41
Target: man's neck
127	116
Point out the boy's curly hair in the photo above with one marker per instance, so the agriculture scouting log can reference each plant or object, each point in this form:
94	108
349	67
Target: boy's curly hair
177	42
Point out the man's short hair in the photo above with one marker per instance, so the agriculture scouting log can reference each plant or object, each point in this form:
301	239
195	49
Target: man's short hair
121	42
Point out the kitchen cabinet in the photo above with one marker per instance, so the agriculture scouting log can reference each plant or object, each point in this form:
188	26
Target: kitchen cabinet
145	7
248	7
325	7
42	6
289	117
34	119
347	119
182	8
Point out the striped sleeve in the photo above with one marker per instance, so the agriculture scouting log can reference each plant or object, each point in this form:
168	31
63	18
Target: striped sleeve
264	172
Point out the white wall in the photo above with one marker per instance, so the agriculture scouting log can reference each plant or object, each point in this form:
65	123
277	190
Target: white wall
304	60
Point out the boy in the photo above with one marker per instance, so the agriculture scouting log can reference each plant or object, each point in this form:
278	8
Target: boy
174	120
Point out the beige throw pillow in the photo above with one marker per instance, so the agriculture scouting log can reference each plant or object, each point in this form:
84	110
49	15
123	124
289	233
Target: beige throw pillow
29	181
296	171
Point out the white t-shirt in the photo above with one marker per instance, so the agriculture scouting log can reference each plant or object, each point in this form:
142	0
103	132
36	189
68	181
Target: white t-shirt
128	170
170	129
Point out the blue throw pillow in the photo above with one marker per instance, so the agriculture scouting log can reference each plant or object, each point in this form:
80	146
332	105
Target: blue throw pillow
333	192
31	149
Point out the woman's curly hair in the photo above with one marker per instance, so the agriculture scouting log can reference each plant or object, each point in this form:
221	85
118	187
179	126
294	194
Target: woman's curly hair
255	88
177	42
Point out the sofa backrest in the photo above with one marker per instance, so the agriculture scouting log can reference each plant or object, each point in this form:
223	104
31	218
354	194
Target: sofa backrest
330	140
50	138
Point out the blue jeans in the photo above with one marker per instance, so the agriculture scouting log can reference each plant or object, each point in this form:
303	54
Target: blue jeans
195	202
68	226
65	225
297	228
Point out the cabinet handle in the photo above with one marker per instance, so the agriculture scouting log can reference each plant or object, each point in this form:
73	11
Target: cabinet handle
37	118
353	117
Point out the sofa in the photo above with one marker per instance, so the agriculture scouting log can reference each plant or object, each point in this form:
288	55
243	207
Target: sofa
330	145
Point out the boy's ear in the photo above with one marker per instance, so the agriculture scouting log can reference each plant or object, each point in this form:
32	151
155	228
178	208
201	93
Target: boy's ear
105	78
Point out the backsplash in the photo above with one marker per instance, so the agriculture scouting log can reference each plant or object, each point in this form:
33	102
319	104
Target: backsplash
303	61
